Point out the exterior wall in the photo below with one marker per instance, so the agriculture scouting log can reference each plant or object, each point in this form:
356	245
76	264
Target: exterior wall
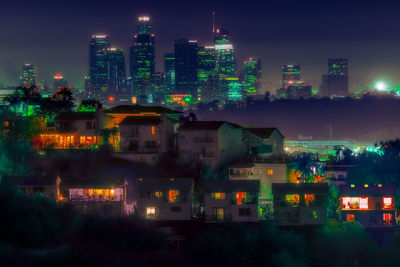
103	209
212	147
276	141
140	134
253	216
154	194
210	204
200	146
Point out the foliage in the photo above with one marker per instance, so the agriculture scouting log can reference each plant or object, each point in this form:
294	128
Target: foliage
89	105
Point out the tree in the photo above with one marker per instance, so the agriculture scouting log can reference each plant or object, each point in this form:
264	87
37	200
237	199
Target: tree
23	98
89	105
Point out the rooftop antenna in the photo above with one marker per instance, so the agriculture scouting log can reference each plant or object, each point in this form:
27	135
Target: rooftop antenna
213	24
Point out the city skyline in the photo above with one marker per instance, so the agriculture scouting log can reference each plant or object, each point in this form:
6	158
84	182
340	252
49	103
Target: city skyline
371	53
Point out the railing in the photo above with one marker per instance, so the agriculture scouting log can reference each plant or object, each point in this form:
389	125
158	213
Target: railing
95	198
203	140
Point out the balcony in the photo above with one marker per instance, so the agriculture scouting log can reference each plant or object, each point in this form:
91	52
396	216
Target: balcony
203	140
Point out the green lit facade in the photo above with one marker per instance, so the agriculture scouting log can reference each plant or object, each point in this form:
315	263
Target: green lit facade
98	64
28	77
252	76
169	67
235	92
206	69
226	66
291	75
141	60
116	71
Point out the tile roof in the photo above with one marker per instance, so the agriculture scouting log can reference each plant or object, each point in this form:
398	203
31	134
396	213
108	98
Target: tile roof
202	125
136	109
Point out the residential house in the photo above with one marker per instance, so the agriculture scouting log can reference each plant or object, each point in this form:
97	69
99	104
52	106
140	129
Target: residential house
100	195
213	143
371	205
46	184
74	130
300	204
267	174
231	201
145	138
264	142
164	199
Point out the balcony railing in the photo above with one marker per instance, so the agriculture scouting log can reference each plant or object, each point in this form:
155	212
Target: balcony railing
95	198
203	140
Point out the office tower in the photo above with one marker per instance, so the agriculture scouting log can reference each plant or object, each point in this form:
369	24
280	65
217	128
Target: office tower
141	59
186	79
28	77
337	81
87	83
235	92
98	66
226	66
169	67
116	71
252	76
42	86
290	75
59	82
205	68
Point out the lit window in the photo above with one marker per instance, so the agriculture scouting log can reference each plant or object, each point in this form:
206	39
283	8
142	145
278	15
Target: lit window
387	203
89	139
364	203
365	185
218	214
94	139
355	203
293	199
158	194
218	195
387	218
150	212
6	123
173	195
309	198
350	217
153	130
83	139
270	172
240	196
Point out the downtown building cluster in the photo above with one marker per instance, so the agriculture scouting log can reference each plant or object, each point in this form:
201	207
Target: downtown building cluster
193	73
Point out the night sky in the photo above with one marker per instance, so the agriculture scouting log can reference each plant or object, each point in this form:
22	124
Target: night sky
54	35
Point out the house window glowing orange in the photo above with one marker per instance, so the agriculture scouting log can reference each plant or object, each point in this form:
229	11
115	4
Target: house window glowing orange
6	123
350	217
173	196
309	198
240	196
387	218
218	195
355	203
387	203
293	198
153	130
270	172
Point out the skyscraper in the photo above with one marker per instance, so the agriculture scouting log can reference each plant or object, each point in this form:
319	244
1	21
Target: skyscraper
290	75
116	71
59	81
205	68
226	66
98	65
141	59
337	80
252	76
28	77
169	67
186	77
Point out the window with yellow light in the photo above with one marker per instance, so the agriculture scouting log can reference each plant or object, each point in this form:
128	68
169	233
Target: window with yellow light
218	195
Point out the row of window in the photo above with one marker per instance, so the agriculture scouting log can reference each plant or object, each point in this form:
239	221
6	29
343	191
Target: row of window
362	203
151	211
171	195
294	199
237	198
387	218
84	140
249	172
219	213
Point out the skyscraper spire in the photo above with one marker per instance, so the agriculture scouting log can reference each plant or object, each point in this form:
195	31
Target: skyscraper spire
213	24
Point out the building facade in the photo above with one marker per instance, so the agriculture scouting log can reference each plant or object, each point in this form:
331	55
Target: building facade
98	64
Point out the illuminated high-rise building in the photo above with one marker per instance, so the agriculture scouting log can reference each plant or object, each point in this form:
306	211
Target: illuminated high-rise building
226	66
141	59
290	75
337	80
252	76
98	64
205	68
169	67
28	77
116	71
59	81
186	77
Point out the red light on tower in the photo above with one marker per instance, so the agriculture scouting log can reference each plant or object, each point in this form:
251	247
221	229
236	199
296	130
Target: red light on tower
58	76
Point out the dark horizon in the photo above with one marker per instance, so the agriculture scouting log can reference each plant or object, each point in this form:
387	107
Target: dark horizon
280	33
